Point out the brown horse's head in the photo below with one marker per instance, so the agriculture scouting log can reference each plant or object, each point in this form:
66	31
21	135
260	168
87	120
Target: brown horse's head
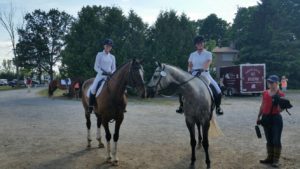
136	77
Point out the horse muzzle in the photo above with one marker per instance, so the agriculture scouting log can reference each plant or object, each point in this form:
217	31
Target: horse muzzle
151	91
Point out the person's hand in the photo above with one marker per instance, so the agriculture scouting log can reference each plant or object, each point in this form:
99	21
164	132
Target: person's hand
258	121
106	73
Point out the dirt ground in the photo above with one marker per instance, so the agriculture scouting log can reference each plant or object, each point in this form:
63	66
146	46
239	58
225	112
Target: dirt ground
40	133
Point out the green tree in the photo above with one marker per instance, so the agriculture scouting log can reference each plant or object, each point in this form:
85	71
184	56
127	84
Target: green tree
171	38
7	65
42	39
213	28
94	24
269	33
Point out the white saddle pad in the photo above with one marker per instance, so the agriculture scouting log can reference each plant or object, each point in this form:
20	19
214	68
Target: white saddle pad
98	91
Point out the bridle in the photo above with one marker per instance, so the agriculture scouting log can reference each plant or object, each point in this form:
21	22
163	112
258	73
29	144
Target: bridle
162	74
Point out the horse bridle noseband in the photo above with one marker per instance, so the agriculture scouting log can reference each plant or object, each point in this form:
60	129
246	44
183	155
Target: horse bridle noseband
160	77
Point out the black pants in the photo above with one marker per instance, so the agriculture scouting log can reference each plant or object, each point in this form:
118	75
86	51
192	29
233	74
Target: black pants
274	130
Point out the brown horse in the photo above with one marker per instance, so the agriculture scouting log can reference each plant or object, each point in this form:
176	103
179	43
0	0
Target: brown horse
56	84
111	103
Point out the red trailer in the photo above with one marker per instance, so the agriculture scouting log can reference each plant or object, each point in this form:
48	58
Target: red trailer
243	79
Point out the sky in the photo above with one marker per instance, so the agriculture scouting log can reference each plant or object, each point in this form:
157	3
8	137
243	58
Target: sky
148	10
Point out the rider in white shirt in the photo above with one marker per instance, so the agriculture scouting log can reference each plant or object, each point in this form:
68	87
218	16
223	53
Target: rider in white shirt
198	63
105	65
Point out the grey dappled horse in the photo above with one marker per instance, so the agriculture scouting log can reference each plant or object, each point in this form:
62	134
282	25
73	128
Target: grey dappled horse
197	103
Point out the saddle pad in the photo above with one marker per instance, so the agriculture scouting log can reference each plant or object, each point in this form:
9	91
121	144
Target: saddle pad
98	91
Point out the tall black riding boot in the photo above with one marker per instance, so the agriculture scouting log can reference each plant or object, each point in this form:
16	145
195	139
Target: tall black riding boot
180	108
269	159
92	101
276	156
218	99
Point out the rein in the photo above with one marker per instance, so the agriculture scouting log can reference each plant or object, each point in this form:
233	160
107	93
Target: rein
177	85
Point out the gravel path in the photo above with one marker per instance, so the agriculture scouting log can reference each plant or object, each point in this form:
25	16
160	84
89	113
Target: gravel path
37	132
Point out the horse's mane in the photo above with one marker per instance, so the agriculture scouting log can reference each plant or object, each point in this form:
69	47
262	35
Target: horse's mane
178	68
120	67
203	78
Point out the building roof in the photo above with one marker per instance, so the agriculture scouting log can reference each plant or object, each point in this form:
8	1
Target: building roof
224	50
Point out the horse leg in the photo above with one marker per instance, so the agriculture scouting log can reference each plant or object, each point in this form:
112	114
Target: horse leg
108	137
205	143
115	159
199	135
191	126
100	145
88	126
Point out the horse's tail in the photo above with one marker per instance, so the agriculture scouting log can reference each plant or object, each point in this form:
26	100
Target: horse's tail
214	129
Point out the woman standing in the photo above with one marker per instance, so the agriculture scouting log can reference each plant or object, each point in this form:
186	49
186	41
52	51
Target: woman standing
270	118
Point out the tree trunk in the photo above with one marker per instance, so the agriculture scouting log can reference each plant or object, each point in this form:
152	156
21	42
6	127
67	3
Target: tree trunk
51	72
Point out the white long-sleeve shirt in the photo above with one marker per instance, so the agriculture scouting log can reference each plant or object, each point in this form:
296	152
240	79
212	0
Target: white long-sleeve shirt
105	62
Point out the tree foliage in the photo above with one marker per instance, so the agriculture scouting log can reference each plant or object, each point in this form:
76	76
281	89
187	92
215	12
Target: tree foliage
269	33
88	32
42	39
213	28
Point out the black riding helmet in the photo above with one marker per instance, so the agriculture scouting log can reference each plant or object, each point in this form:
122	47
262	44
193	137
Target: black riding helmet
198	39
108	42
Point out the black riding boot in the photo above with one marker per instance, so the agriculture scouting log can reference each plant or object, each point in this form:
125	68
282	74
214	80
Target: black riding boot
92	101
218	99
180	108
270	152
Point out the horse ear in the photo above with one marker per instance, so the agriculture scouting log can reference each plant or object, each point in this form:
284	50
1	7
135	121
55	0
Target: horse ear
133	60
157	63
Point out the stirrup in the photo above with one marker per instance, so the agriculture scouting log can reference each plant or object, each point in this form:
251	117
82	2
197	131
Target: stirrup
90	109
219	111
179	110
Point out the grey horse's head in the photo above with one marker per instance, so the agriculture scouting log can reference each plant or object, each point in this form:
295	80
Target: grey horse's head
160	80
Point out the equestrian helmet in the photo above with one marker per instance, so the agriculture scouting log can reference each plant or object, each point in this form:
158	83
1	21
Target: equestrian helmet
198	39
108	42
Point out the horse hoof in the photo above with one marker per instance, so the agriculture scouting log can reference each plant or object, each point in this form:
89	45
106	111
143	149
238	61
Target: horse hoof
101	145
115	163
88	146
108	160
192	166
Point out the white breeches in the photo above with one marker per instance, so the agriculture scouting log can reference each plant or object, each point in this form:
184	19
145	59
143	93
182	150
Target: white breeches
212	81
96	81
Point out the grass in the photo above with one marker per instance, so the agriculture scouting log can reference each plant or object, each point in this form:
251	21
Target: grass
57	93
5	88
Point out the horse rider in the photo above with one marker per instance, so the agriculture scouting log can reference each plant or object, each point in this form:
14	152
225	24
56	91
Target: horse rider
105	65
198	63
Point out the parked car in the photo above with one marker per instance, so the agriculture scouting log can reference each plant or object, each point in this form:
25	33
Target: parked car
13	83
3	82
35	83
